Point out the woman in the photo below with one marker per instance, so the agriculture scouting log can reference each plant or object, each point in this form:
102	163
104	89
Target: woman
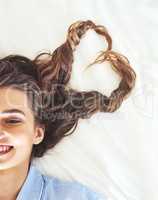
38	109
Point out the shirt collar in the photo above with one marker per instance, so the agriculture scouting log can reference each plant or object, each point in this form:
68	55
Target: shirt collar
33	185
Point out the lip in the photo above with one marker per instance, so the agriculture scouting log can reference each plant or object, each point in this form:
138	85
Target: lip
5	155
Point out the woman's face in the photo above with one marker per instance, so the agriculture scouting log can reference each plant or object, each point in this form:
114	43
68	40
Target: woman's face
17	128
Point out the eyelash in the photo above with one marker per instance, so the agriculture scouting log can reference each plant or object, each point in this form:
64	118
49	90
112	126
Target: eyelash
13	121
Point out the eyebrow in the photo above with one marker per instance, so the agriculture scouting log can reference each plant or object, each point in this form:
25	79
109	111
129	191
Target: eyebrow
13	111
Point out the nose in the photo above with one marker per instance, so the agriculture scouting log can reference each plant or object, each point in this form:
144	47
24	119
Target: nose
2	134
3	137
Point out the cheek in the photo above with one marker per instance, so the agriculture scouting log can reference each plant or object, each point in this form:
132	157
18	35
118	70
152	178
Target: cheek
23	140
22	147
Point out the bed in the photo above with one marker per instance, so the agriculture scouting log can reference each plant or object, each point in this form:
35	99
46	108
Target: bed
112	153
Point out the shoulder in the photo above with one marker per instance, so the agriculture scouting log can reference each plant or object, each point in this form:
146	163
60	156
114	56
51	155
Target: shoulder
69	190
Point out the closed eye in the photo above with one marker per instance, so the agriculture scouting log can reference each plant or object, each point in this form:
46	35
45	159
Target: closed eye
13	121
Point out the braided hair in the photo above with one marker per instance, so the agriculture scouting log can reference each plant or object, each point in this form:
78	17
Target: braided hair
54	104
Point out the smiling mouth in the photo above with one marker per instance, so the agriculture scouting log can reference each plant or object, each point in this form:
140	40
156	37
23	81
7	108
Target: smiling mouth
2	152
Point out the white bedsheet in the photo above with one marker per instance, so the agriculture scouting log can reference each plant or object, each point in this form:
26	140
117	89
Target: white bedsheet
115	154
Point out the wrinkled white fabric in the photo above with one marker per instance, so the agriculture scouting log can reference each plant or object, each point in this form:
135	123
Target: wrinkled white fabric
116	154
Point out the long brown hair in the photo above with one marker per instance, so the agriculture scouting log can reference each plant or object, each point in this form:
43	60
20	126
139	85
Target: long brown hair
53	103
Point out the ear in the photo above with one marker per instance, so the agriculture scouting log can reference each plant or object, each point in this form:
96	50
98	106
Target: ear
39	134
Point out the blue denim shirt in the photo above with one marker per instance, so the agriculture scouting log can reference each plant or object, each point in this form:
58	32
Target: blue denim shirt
38	186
